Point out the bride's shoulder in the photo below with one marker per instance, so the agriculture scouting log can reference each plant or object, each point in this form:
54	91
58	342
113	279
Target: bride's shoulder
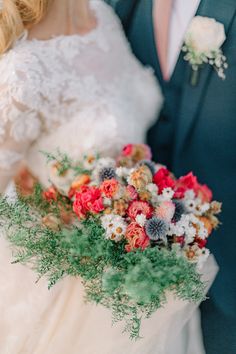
18	63
107	12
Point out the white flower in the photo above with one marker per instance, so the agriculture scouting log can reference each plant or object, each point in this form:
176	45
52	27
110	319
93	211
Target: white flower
189	194
205	35
107	201
199	255
190	205
122	172
203	208
184	227
114	226
203	41
152	188
167	194
141	219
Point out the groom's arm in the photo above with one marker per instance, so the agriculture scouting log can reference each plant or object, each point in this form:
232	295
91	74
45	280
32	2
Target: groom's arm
125	9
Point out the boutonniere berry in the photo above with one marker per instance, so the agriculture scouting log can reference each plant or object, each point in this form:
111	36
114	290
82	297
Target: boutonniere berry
202	45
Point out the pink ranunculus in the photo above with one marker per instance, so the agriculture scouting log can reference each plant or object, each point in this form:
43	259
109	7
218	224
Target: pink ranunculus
132	193
163	179
136	237
139	207
88	200
165	210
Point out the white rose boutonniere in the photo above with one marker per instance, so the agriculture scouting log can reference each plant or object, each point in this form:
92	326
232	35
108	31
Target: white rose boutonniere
202	44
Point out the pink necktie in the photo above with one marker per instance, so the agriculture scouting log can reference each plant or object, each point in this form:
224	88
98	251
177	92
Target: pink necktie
161	18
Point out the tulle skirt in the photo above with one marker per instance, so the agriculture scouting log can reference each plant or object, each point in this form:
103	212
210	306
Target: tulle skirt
35	320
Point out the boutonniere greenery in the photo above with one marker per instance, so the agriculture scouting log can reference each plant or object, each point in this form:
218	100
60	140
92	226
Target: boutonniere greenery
202	45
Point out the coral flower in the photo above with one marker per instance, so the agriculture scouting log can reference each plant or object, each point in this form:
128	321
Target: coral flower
110	187
166	210
136	237
88	200
139	207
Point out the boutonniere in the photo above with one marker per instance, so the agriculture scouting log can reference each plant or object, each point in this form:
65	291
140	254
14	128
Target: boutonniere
202	45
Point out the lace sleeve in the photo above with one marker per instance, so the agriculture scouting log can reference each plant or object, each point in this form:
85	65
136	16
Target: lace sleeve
19	127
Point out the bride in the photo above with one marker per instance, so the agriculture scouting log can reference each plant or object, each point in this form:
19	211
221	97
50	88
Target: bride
69	80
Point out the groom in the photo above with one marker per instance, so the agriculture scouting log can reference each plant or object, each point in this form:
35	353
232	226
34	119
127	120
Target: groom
196	130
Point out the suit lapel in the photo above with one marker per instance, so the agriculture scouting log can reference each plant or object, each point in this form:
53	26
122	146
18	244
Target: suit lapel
222	11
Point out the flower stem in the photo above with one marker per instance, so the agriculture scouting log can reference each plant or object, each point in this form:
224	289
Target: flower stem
194	77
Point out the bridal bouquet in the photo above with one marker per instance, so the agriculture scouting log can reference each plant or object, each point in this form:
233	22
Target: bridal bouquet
127	227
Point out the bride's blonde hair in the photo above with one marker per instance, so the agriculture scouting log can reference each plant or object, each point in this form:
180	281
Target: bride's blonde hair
18	15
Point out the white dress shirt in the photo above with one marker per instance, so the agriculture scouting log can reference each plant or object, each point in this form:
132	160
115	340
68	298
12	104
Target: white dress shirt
182	13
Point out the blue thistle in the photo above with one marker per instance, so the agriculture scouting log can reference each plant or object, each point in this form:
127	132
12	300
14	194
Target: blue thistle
180	209
156	229
107	173
151	165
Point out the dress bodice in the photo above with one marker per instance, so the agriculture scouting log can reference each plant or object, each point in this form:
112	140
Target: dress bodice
74	93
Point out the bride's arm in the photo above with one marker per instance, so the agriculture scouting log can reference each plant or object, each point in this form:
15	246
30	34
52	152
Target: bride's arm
19	126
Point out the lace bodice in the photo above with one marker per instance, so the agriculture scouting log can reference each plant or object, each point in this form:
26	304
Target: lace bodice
75	93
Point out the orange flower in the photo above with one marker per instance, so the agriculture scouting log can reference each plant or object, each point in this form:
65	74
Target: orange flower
110	187
80	181
140	177
120	207
207	224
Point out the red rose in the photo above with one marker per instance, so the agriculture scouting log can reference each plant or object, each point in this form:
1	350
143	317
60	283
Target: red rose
136	237
190	182
139	207
187	182
127	150
163	180
179	193
88	200
201	243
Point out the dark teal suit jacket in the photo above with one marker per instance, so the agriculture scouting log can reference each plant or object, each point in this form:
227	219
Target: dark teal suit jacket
197	132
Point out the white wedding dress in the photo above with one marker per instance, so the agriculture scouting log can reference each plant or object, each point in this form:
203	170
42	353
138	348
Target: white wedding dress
78	94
